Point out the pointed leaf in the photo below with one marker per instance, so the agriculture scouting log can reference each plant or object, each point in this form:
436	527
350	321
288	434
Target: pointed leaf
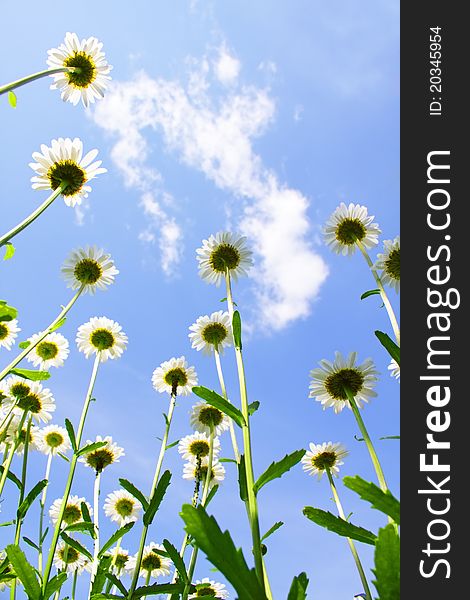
177	560
157	497
387	563
277	469
242	479
383	501
24	571
370	293
12	477
237	329
82	527
389	345
221	552
76	545
215	399
58	325
274	528
390	437
86	513
9	251
30	498
54	584
158	588
117	582
117	535
32	375
91	448
31	543
133	491
253	407
24	345
12	98
339	526
71	432
105	596
298	589
7	313
100	577
172	445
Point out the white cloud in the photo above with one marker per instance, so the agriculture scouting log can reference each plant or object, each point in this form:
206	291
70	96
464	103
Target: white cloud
214	134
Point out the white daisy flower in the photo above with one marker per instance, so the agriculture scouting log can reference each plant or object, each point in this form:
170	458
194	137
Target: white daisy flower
211	333
51	352
328	382
63	163
90	80
53	439
348	225
217	472
389	263
121	560
102	457
196	446
152	562
8	333
16	387
223	252
12	432
324	456
122	507
204	415
101	335
394	369
30	396
91	267
72	513
207	588
70	560
174	376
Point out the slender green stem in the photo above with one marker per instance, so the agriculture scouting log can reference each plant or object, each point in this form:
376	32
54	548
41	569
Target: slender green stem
24	80
383	293
352	546
42	335
8	417
41	514
224	394
156	477
368	441
73	464
33	216
96	522
74	584
11	454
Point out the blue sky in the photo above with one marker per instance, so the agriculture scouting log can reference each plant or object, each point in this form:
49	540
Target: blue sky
259	117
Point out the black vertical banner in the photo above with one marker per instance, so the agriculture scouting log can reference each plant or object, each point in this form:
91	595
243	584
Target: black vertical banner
435	209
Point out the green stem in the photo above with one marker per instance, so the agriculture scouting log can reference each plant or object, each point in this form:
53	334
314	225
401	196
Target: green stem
224	394
73	464
41	514
74	584
96	541
368	441
14	446
7	417
42	335
352	546
156	477
383	294
24	80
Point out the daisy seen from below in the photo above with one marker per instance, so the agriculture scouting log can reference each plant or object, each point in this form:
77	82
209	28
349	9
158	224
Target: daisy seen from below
211	333
203	416
8	333
322	457
89	81
153	564
14	435
190	472
328	383
122	507
174	376
53	439
16	387
101	335
70	560
31	398
72	513
120	560
196	446
52	351
394	369
103	457
62	165
90	267
389	263
223	253
207	588
349	226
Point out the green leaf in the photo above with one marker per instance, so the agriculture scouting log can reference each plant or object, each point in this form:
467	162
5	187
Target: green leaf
274	528
9	251
76	545
12	98
31	543
12	477
157	497
117	535
172	445
24	571
30	374
102	596
214	399
117	582
298	589
85	513
387	563
91	448
253	407
7	523
133	491
227	460
221	552
237	329
83	527
370	293
242	486
4	577
340	526
24	345
30	498
100	577
177	560
389	345
210	495
7	313
277	469
159	588
383	501
54	584
58	325
71	432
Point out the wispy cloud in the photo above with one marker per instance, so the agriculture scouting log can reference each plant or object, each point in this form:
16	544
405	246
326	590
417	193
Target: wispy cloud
212	129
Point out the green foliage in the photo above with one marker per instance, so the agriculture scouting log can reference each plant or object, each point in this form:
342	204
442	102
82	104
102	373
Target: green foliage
389	345
340	526
215	399
12	99
274	528
82	527
7	313
387	564
157	497
138	495
177	560
237	329
58	325
100	577
24	345
117	535
24	571
71	433
277	469
9	251
159	588
76	545
54	585
370	293
253	407
298	589
30	498
221	552
242	486
30	374
12	477
383	501
91	448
